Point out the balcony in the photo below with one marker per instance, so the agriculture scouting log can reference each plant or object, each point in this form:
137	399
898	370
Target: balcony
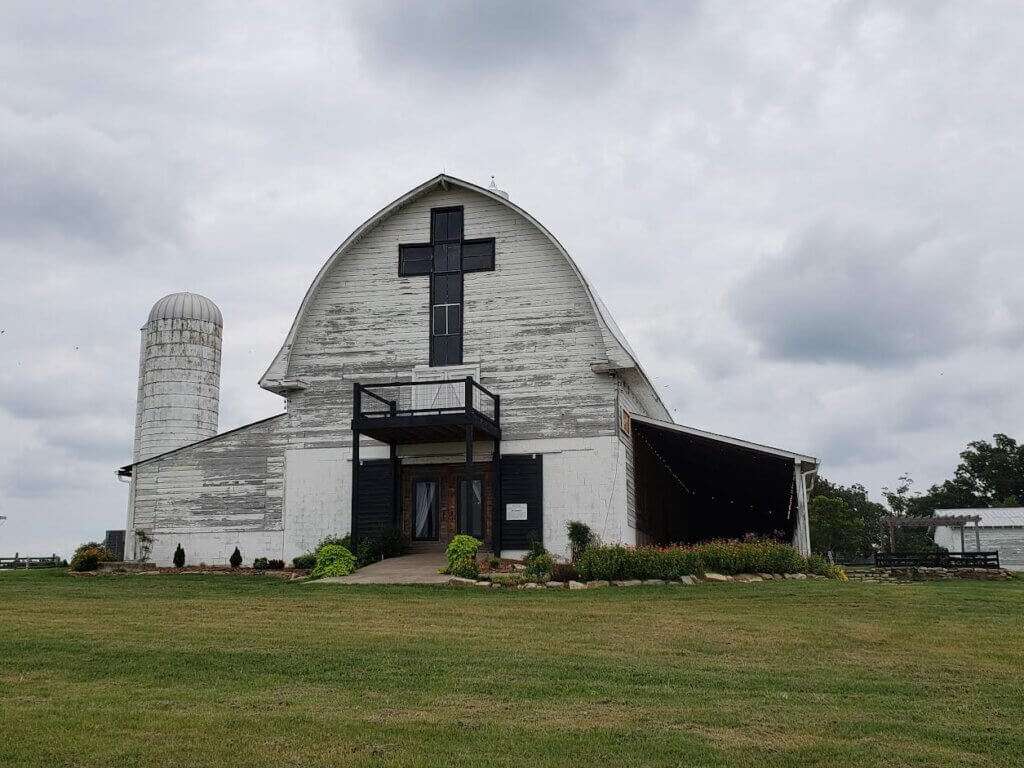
426	411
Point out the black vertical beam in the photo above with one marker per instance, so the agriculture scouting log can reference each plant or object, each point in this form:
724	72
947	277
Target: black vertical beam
396	486
496	481
468	402
357	407
396	493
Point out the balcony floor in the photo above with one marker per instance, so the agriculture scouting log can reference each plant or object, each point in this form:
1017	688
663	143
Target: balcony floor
426	428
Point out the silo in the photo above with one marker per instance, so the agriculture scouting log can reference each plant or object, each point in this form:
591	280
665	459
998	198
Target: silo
179	374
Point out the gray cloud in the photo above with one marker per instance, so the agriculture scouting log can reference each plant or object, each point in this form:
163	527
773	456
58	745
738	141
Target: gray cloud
461	40
851	295
805	217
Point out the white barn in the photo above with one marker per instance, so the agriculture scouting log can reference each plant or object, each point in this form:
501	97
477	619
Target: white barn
999	529
449	370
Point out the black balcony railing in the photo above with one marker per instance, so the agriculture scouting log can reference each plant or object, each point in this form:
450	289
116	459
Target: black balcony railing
402	399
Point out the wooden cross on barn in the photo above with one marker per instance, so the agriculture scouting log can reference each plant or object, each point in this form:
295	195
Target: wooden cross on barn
446	258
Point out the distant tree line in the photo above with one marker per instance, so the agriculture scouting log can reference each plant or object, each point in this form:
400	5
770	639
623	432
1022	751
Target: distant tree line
846	522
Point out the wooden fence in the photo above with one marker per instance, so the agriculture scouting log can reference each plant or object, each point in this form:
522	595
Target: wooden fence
10	563
989	559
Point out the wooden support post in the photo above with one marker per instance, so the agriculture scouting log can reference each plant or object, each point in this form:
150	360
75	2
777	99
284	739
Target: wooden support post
977	536
962	526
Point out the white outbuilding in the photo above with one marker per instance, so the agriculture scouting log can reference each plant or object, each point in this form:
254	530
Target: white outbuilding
997	529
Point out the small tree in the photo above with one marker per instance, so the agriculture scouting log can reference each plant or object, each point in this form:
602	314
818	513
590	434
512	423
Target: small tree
580	537
179	557
236	558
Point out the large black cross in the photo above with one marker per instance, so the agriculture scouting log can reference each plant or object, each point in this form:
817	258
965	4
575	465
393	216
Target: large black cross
446	258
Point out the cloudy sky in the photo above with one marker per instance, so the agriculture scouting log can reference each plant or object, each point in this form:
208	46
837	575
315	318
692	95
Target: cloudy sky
805	216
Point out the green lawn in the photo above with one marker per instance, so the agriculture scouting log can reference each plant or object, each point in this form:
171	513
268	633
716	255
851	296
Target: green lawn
225	671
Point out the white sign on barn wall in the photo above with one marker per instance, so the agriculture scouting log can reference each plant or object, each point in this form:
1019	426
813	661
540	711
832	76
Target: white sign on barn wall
515	512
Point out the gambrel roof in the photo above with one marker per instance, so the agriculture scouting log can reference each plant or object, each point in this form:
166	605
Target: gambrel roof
619	355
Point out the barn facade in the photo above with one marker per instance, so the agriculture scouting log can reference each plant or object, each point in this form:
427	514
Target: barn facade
449	370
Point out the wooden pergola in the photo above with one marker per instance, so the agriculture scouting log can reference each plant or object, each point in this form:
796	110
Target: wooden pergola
947	521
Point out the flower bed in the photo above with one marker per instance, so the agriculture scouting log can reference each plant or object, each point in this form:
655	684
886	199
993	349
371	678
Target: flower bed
621	563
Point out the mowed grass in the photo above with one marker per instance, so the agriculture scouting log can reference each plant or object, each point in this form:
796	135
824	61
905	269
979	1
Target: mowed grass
247	671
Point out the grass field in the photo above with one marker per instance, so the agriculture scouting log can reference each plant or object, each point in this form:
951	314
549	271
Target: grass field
231	671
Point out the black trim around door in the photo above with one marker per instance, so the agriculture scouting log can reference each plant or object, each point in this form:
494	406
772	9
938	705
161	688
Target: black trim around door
463	523
433	532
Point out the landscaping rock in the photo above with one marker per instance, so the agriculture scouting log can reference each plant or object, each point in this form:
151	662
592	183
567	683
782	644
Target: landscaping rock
577	585
747	577
797	576
597	583
716	577
688	580
531	585
462	581
628	583
654	582
484	584
555	584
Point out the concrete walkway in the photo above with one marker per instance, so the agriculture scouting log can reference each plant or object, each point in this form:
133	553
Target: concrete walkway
408	569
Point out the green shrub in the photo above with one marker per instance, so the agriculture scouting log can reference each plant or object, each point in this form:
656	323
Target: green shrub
564	572
465	567
367	551
836	572
508	579
539	564
580	537
819	566
720	556
342	541
260	563
749	556
619	562
333	560
236	558
89	556
461	556
608	563
306	562
179	557
392	544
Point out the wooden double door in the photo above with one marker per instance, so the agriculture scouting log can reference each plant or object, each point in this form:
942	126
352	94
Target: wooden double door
440	501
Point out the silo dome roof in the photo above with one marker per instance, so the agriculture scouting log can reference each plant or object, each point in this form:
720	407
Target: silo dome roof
186	306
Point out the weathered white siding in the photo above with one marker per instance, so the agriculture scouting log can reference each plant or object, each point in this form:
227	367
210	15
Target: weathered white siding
318	497
231	484
529	324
